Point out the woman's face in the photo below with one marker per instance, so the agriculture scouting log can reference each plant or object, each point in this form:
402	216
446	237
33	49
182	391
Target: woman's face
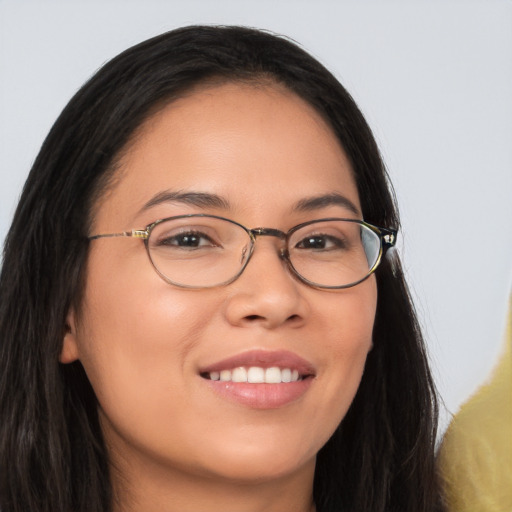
147	346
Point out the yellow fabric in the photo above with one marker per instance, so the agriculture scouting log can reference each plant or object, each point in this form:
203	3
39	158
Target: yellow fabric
476	453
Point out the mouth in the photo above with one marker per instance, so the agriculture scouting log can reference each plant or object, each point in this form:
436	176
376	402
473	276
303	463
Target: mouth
260	367
260	379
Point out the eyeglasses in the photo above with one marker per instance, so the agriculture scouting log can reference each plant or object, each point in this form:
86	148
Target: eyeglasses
205	251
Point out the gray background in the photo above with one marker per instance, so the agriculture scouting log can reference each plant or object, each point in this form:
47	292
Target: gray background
434	80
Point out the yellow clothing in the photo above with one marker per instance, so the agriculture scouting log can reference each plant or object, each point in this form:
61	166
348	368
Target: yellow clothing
476	453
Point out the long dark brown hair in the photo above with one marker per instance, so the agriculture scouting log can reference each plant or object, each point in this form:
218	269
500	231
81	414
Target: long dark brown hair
52	454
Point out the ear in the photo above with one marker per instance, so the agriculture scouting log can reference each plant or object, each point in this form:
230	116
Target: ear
69	352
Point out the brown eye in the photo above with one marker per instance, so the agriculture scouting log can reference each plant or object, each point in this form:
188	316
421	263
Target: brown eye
189	240
321	242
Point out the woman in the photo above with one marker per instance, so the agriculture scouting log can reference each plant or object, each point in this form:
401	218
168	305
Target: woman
226	369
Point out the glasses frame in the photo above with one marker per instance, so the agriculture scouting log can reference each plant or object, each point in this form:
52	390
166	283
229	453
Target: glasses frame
387	237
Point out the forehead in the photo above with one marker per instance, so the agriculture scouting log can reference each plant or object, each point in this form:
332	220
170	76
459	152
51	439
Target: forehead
257	146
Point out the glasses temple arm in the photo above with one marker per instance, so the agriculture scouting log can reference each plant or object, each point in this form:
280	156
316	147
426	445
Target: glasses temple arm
136	233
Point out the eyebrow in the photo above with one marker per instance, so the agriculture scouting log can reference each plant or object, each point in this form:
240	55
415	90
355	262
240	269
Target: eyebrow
199	199
208	200
323	201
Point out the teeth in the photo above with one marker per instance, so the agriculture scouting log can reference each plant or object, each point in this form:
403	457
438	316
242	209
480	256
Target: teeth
239	375
256	375
225	375
273	375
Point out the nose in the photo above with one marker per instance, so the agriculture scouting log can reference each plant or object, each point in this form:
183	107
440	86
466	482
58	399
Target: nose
267	294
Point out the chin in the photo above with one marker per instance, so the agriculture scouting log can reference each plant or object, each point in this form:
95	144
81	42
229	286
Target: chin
262	461
247	471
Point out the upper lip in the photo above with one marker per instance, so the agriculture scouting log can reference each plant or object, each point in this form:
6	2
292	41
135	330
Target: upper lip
263	359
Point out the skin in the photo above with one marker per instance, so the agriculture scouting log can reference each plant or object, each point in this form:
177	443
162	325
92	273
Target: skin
174	443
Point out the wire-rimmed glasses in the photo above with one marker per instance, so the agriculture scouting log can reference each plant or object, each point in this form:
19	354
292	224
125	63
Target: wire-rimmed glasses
205	251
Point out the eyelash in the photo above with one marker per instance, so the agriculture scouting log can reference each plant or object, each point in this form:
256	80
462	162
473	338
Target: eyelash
337	242
164	240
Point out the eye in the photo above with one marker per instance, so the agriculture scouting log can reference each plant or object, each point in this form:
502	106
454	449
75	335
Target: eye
187	239
321	242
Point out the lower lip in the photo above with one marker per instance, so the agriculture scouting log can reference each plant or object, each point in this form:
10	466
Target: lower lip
261	396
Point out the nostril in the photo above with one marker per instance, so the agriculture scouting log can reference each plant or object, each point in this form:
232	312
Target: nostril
294	318
254	317
258	318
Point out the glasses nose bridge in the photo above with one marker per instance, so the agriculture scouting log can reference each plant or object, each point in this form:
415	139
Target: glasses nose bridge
277	233
268	232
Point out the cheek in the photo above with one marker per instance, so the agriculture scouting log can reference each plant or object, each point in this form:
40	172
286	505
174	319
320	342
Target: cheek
349	318
346	343
135	356
355	327
134	337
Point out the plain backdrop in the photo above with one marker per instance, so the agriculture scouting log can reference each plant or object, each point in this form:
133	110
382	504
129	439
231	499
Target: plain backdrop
434	79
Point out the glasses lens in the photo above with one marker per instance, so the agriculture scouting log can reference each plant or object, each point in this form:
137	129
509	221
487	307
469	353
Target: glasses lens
334	253
199	251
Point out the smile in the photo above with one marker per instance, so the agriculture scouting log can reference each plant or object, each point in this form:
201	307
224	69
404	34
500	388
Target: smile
260	379
256	375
